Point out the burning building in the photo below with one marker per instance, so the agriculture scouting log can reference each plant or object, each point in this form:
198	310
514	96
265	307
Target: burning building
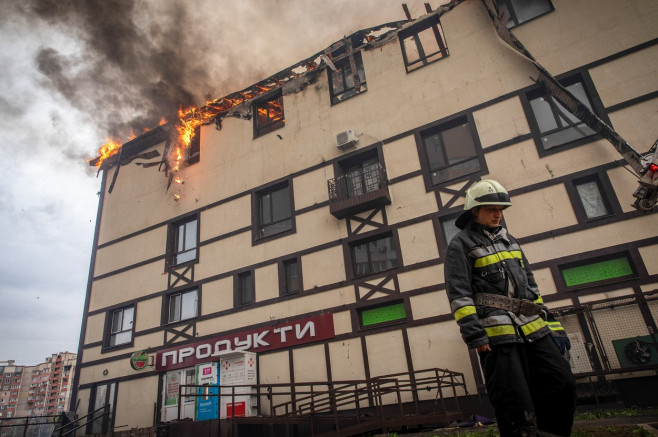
301	224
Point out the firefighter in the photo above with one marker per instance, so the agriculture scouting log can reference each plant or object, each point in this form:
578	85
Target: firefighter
496	303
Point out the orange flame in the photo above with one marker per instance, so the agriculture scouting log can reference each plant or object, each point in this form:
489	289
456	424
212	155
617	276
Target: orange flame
106	150
191	118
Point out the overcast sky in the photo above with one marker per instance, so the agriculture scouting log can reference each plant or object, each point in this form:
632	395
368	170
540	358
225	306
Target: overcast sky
73	73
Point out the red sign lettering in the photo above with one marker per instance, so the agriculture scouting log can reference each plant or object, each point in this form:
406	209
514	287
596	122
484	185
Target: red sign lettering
263	339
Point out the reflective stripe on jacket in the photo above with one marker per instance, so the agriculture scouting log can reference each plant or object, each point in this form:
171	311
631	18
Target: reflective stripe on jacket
481	262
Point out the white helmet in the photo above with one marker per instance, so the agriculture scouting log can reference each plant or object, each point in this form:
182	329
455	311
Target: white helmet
484	192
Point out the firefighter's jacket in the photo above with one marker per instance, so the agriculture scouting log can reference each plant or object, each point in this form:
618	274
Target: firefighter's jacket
480	261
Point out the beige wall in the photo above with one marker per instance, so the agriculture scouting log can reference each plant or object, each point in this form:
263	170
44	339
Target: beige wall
418	243
565	38
233	164
540	211
133	398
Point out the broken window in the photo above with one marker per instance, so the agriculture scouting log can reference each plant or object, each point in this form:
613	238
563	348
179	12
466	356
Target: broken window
342	81
274	211
268	114
121	326
183	241
452	150
520	11
194	151
552	124
183	305
374	255
244	289
423	44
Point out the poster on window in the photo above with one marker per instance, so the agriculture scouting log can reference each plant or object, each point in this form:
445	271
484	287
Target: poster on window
171	393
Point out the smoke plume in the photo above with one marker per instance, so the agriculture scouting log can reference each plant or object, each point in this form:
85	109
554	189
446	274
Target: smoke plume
140	60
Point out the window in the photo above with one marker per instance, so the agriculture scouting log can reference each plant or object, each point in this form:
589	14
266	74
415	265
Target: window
520	11
360	184
598	271
121	322
452	150
592	197
291	278
274	207
194	150
244	289
183	241
102	395
362	177
382	315
269	115
552	124
449	227
374	255
183	306
342	81
423	44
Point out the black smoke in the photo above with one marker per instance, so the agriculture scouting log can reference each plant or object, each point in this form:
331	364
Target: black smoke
139	62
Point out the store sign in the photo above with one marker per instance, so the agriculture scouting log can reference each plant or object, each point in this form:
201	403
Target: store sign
263	339
139	360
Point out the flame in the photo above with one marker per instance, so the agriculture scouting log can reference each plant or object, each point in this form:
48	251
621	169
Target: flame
108	149
191	118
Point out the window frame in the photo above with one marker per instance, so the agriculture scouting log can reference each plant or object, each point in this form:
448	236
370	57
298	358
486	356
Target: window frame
440	220
166	311
283	276
341	65
238	291
355	242
606	190
442	126
107	422
561	282
193	153
273	123
256	219
173	240
109	321
513	19
413	32
539	91
343	166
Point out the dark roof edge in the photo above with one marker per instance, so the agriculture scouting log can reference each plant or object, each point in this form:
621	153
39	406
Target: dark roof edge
136	145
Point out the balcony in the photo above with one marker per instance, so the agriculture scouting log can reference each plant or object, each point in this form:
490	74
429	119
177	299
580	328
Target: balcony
358	192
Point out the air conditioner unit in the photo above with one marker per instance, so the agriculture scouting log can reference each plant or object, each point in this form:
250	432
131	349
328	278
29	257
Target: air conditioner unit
346	140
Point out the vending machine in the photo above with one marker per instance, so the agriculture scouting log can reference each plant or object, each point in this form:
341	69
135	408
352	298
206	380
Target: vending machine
238	368
207	376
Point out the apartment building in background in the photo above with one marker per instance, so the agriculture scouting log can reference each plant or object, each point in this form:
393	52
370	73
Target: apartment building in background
40	390
309	221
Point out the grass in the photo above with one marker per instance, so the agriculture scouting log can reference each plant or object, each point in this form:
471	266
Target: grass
619	412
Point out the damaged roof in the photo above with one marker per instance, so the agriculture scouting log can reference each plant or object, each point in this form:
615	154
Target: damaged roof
290	80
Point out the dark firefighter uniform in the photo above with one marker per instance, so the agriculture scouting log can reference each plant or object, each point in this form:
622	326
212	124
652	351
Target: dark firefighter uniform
495	300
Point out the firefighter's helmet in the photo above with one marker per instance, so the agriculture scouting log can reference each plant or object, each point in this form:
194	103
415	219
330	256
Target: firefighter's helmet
484	192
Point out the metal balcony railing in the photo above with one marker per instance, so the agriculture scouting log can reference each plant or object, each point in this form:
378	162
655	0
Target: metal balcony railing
358	191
